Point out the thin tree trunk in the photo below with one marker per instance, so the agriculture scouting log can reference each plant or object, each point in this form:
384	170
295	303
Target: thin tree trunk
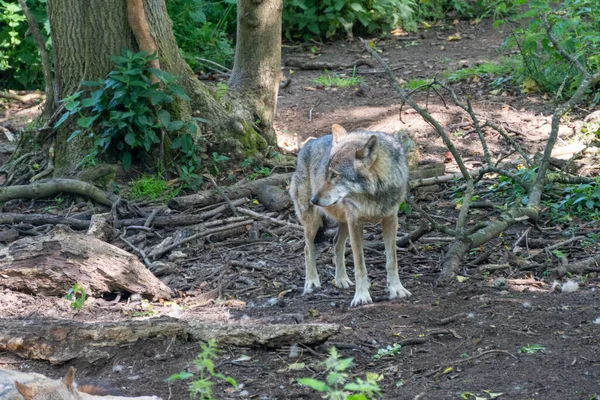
257	67
50	105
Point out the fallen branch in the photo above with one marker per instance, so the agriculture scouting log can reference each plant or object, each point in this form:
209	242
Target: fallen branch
323	65
237	191
42	219
52	187
582	267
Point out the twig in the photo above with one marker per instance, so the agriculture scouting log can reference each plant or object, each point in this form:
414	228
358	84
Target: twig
214	64
311	110
433	222
452	318
271	219
200	235
516	145
222	193
141	252
555	246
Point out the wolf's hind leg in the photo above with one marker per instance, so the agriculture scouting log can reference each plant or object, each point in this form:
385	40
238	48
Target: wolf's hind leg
389	227
341	276
312	220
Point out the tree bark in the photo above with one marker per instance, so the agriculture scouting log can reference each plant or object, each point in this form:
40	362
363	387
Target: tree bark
86	34
257	67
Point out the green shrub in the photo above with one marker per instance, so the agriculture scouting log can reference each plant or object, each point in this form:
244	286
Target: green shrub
328	18
126	112
576	26
204	28
20	66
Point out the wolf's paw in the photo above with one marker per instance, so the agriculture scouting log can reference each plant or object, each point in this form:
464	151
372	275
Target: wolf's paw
343	282
398	291
361	298
309	284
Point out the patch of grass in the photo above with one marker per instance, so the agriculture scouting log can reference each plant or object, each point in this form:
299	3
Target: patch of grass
416	83
501	68
334	80
152	187
532	349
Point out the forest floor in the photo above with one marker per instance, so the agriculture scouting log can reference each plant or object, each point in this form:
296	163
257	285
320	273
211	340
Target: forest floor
512	332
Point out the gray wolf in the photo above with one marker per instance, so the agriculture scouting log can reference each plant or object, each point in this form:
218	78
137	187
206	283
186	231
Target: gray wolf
16	385
355	178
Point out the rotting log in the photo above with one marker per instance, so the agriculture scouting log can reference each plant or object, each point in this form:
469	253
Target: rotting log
51	264
59	341
237	191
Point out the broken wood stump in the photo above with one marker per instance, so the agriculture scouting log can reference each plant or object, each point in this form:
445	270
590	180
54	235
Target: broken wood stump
51	264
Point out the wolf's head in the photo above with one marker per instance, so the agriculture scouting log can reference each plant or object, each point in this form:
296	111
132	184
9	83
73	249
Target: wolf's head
352	156
50	390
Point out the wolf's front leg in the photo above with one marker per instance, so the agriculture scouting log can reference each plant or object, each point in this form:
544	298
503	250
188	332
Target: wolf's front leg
389	227
361	295
341	276
311	226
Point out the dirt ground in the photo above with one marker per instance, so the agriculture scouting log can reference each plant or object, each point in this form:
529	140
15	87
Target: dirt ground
496	316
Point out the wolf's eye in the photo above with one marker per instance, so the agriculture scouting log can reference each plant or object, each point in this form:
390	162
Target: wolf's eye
333	175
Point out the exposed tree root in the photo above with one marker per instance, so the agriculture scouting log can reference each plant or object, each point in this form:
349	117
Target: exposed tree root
53	187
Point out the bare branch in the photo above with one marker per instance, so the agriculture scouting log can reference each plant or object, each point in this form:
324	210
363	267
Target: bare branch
511	140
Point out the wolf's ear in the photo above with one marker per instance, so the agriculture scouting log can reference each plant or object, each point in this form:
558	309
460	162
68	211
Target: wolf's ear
368	153
69	379
338	132
26	391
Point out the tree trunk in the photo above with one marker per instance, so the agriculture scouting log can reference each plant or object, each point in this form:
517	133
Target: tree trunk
86	34
257	67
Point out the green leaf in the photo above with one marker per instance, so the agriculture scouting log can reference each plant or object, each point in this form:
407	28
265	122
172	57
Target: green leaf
72	105
86	122
74	135
157	97
62	119
314	384
90	102
175	126
198	16
180	376
126	160
178	91
164	117
130	139
343	364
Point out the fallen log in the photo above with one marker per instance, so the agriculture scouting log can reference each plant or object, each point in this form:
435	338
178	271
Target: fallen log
59	341
51	264
237	191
